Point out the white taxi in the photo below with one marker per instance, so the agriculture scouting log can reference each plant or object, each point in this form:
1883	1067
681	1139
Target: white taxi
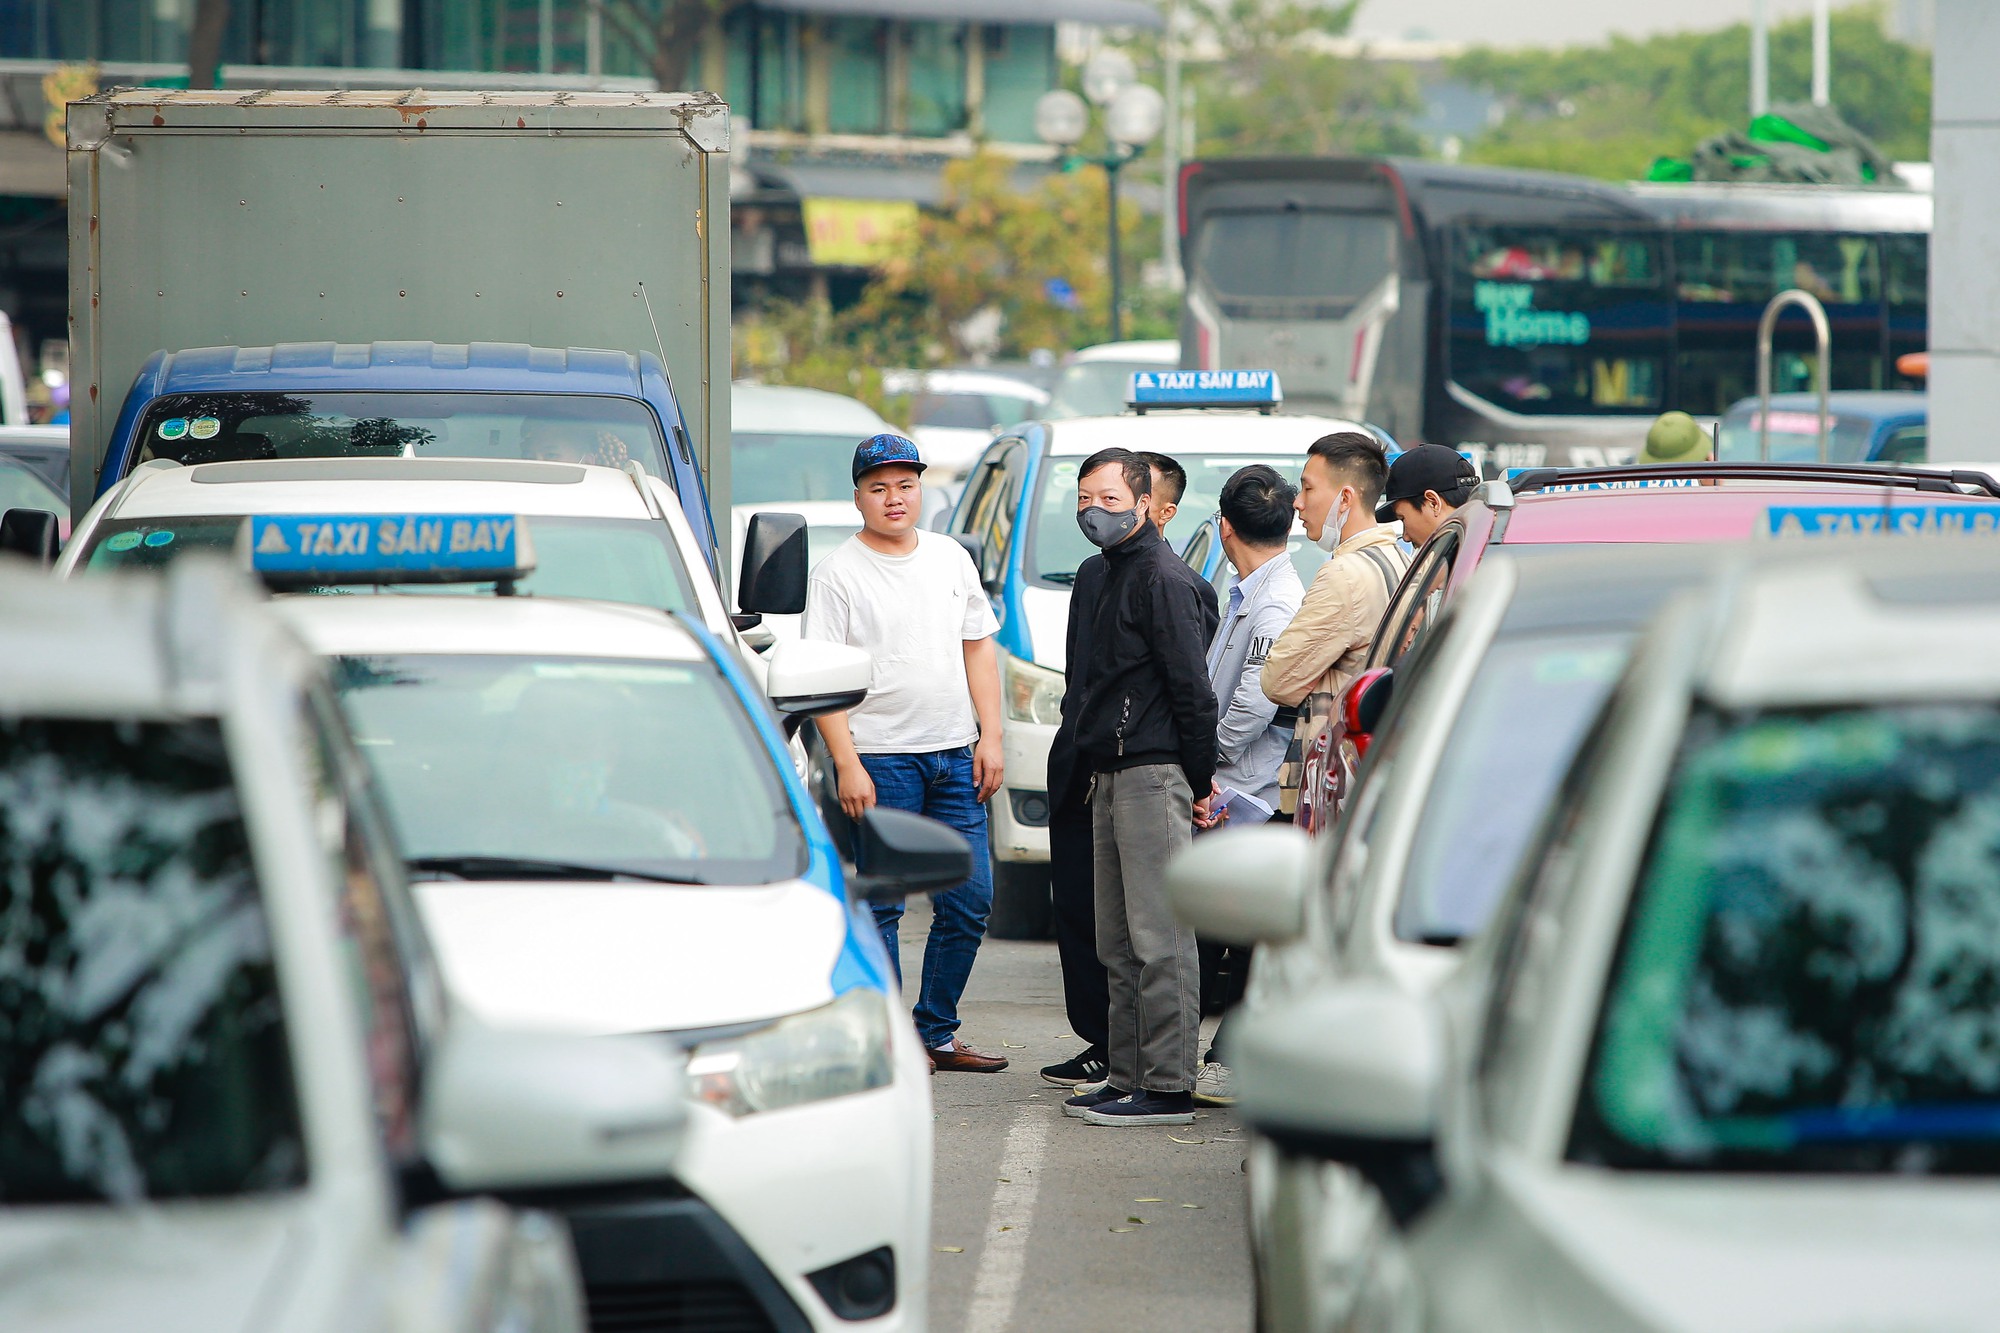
1724	1059
608	839
238	1098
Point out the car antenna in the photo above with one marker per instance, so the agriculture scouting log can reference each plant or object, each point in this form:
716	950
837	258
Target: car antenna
680	435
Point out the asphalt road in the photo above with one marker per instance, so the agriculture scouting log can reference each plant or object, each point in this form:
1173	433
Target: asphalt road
1045	1222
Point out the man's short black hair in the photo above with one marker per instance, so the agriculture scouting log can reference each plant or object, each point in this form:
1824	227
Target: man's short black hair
1138	473
1172	473
1357	459
1257	501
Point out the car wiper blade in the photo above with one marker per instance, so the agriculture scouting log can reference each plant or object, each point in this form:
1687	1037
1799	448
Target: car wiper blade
520	867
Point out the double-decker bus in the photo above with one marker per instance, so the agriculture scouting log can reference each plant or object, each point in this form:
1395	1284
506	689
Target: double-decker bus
1531	318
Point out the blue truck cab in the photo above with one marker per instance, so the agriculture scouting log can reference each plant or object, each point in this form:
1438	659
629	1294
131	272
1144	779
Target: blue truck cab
410	399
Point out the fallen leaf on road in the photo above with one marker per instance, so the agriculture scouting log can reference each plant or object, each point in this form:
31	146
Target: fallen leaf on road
1013	1046
1190	1205
1140	1221
1119	1231
951	1249
1178	1139
1149	1201
1006	1228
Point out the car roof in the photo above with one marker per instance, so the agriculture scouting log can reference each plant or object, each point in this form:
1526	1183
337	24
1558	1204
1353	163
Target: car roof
979	381
1874	404
1600	589
1206	431
486	626
1728	511
1856	621
390	366
1161	351
381	485
775	408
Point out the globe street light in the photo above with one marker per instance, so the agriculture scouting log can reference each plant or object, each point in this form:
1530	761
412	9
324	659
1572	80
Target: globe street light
1133	115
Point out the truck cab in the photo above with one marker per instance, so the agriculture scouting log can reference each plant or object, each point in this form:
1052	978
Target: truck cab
410	400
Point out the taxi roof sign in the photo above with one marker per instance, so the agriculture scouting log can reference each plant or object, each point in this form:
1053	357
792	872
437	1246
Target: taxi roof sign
308	550
1153	390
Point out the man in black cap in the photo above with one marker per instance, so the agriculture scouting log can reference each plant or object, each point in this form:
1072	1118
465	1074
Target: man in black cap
1425	484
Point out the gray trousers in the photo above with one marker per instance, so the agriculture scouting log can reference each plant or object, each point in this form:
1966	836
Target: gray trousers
1142	817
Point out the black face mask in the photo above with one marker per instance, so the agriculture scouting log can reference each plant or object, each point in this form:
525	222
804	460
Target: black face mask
1105	528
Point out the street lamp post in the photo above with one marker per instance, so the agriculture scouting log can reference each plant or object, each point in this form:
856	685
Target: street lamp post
1133	115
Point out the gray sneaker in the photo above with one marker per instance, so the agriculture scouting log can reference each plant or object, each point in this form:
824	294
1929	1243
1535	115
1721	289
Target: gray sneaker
1215	1085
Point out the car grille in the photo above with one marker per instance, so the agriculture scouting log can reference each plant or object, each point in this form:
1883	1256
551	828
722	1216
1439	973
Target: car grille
671	1307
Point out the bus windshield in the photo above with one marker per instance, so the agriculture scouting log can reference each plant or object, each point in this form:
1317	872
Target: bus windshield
1294	255
1559	320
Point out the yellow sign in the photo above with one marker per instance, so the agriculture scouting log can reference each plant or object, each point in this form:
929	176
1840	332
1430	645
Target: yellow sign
856	233
61	86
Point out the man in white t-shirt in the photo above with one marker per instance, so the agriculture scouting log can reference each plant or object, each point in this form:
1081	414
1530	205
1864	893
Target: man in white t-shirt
927	738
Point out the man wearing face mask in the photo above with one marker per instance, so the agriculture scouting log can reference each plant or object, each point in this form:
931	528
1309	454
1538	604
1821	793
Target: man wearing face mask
1145	731
1324	646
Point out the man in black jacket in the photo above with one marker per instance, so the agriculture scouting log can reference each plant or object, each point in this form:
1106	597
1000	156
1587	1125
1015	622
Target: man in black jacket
1145	729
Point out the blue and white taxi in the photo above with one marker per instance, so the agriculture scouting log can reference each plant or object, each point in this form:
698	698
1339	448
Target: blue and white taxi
238	1099
1019	510
608	837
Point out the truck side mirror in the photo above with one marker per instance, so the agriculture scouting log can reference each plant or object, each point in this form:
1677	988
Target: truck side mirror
772	581
34	533
899	854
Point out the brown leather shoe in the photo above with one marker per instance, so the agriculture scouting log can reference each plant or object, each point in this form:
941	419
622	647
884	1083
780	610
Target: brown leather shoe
962	1059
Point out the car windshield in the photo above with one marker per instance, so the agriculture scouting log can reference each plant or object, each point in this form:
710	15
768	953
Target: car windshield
20	488
565	428
1808	971
972	410
790	468
143	1045
1095	388
571	768
1058	546
628	560
1516	731
1795	438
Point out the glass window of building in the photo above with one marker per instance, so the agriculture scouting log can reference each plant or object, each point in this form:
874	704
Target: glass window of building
934	95
857	82
1020	67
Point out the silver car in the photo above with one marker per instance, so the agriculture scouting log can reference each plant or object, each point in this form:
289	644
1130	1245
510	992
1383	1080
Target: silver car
1728	1056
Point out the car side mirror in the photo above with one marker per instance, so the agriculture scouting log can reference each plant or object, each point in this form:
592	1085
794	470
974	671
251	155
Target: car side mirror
539	1110
975	546
1366	700
772	581
1244	886
899	854
806	677
1347	1072
34	533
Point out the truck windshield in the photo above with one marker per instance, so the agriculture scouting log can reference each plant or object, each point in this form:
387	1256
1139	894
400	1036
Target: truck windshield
1807	973
571	768
143	1047
565	428
629	560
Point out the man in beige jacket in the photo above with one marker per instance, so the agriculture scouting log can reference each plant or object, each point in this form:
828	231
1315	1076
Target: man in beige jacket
1324	646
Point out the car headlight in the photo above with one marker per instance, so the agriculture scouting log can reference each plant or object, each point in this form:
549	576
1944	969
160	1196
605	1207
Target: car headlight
1034	694
832	1051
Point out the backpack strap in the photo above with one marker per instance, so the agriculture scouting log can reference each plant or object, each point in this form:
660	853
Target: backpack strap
1384	566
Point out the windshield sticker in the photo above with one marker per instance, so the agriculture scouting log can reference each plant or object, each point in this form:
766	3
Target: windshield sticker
161	538
1513	321
121	541
173	428
204	428
1954	520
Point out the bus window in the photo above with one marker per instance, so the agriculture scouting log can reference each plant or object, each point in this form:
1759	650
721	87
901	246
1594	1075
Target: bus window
1296	254
1739	267
1724	371
1560	320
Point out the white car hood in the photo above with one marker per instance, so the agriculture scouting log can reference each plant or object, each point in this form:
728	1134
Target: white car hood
1047	613
210	1267
1719	1254
608	958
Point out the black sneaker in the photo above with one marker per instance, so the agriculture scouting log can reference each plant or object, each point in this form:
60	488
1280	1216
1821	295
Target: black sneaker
1143	1108
1086	1068
1083	1101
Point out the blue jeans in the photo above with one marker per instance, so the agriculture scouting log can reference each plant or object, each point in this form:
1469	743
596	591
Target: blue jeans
940	786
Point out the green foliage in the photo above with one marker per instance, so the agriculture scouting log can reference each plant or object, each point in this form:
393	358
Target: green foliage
1610	110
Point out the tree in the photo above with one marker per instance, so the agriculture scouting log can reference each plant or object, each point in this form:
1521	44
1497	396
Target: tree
1610	110
665	33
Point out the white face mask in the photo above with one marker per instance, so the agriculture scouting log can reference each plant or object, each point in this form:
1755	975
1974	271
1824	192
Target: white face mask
1329	534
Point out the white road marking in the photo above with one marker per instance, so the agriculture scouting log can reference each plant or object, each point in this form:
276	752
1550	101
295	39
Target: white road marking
996	1288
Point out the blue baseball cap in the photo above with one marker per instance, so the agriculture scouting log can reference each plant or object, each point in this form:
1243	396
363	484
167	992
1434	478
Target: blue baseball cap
882	450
